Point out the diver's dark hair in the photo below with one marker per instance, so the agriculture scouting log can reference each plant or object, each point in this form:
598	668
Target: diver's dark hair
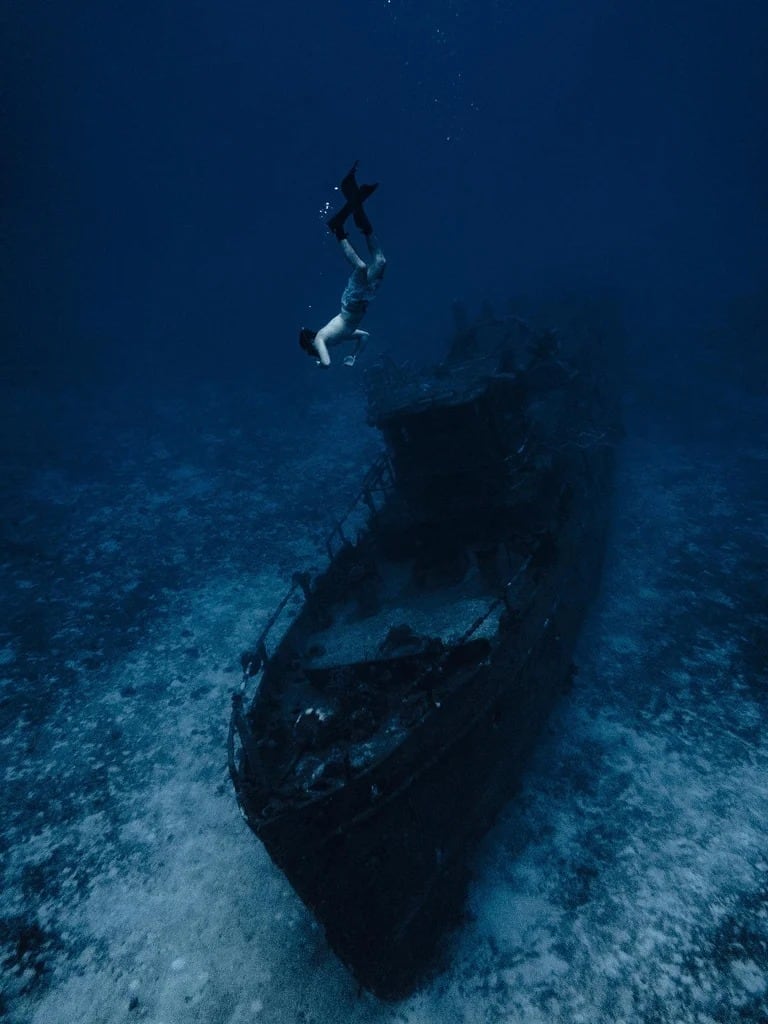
306	337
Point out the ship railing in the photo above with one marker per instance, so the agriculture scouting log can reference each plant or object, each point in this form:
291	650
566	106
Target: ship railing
377	484
505	599
255	661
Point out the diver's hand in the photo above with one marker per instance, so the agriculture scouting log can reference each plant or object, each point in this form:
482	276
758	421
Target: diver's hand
349	360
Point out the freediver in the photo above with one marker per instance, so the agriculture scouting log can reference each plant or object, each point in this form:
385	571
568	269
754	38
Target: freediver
362	284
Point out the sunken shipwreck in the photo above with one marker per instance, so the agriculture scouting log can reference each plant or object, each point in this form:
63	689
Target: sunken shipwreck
390	703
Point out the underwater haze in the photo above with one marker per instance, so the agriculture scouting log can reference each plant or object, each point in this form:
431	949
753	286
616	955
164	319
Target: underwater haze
170	456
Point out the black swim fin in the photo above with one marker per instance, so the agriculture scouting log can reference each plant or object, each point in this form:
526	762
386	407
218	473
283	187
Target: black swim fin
355	196
338	220
361	217
349	186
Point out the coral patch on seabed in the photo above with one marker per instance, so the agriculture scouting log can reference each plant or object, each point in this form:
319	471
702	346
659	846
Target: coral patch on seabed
629	881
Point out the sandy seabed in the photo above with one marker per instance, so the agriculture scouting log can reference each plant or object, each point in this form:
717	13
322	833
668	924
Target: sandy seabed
142	549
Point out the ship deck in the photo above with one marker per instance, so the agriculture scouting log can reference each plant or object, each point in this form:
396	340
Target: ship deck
406	616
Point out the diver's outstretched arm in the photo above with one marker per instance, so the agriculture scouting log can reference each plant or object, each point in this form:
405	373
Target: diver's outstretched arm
360	339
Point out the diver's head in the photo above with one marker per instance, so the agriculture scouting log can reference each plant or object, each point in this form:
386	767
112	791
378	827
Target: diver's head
306	337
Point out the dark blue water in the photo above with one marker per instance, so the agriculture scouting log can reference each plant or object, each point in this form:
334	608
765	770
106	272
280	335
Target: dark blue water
169	456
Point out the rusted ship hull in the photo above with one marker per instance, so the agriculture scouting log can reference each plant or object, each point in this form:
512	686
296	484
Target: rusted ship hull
377	844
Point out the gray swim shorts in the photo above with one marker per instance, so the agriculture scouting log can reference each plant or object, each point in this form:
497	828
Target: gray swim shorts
357	294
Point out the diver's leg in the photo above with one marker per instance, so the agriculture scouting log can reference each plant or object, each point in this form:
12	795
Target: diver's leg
352	258
374	247
378	263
